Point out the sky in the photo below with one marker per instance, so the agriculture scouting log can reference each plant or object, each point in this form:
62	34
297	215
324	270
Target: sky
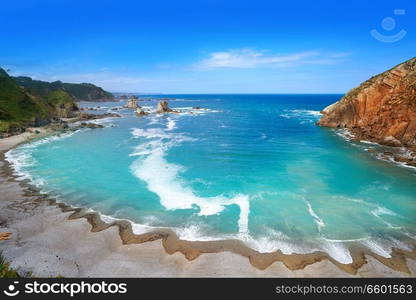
207	46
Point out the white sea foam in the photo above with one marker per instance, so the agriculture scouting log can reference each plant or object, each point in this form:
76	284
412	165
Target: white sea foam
155	119
149	133
391	159
337	250
268	244
276	240
106	122
368	142
383	211
319	222
379	211
193	232
171	124
385	246
263	136
188	110
377	246
163	178
21	158
305	116
345	133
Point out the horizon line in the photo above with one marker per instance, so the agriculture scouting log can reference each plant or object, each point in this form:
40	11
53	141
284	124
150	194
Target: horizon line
144	94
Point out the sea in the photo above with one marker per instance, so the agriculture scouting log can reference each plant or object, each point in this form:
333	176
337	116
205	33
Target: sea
249	167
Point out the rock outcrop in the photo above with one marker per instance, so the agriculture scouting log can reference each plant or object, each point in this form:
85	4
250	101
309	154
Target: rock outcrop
382	109
21	108
132	103
64	104
162	107
141	112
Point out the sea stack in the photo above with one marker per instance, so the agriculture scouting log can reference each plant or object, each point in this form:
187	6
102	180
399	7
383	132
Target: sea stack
381	109
132	103
162	107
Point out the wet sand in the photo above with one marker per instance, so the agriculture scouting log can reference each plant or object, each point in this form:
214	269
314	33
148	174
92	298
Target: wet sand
53	239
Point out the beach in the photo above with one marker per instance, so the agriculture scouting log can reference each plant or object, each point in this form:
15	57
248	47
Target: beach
50	239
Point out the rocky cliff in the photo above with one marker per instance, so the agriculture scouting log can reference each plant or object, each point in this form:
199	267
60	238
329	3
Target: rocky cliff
20	108
382	109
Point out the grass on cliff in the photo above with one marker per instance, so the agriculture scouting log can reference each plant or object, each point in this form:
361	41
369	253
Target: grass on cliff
80	91
6	271
20	107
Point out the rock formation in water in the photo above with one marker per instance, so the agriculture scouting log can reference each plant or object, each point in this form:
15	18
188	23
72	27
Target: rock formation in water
162	107
141	112
132	103
382	109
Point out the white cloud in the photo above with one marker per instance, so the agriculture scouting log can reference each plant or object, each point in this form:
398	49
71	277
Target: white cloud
248	58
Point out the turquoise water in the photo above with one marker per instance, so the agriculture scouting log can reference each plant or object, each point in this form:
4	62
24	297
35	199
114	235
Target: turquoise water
254	167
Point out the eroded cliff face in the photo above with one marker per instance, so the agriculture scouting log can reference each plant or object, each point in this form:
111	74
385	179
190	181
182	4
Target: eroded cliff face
382	109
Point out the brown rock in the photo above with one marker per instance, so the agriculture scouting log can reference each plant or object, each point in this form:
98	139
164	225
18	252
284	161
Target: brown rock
132	103
391	141
382	109
162	107
141	112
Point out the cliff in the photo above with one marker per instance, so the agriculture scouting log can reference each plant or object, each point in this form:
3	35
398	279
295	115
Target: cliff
80	91
382	109
20	108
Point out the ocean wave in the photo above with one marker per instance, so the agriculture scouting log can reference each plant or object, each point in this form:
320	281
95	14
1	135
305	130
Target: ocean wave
379	211
319	222
304	116
171	124
106	122
378	150
345	134
21	158
163	177
275	240
189	110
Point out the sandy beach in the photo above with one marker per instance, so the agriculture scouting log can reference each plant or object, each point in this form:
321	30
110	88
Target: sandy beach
50	239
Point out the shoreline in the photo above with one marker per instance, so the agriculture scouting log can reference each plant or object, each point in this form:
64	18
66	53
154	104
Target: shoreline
398	157
166	243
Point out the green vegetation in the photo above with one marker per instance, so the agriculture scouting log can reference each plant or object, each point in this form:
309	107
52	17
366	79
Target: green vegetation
59	97
80	91
20	107
6	271
17	106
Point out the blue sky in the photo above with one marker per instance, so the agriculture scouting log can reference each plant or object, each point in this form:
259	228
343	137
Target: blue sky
207	46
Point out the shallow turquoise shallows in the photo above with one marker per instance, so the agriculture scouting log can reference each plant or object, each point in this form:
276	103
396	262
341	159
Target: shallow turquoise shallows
253	167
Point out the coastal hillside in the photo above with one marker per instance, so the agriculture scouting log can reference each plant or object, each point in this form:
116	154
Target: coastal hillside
381	109
80	91
20	108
